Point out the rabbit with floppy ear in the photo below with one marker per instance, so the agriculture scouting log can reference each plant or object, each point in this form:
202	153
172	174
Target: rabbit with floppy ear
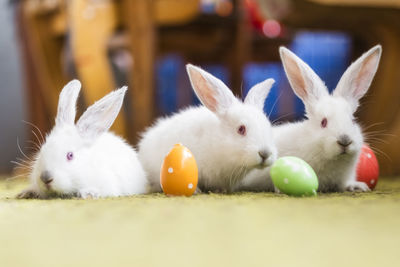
330	139
228	137
84	159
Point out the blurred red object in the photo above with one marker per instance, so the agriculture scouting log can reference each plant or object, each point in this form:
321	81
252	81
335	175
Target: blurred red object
271	28
256	18
368	168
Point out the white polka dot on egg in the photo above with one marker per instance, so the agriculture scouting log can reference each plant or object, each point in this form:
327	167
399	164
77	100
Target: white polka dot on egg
369	155
170	170
286	180
372	181
190	186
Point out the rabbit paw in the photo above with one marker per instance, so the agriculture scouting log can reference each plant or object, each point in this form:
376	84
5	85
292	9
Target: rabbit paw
197	191
357	187
276	190
28	194
90	194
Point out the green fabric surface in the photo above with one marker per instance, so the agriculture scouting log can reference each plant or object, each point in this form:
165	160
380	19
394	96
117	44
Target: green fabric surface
247	229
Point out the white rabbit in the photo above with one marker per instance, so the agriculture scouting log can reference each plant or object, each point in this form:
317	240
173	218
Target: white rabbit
330	140
84	159
228	137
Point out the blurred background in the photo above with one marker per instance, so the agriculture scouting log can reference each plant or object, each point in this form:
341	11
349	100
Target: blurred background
146	44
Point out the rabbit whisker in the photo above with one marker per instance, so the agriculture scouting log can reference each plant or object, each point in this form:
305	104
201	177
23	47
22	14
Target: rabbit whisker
372	125
16	176
282	116
19	147
34	149
19	164
273	106
37	128
380	152
37	138
35	144
28	163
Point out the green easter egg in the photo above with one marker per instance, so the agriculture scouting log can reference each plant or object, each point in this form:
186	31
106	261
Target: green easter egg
293	176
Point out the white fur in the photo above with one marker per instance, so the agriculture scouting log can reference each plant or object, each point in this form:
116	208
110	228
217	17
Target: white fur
308	140
211	134
103	165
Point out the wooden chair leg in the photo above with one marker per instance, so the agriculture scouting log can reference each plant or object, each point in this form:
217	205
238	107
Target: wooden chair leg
241	50
43	66
138	18
36	111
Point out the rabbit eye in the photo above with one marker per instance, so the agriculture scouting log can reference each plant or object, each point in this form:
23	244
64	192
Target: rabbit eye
324	123
242	130
70	156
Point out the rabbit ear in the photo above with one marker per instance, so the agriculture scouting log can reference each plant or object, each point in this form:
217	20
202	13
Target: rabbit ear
67	103
99	117
358	77
258	93
304	81
212	92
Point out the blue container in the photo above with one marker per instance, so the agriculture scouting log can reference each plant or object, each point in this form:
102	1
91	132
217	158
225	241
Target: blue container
327	53
254	73
167	71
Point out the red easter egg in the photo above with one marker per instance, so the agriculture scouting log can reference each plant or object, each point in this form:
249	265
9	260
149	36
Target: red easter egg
368	168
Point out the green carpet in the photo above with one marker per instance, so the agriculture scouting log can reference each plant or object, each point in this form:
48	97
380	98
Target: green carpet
349	229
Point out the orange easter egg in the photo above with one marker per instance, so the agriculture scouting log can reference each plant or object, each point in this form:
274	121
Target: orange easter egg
179	173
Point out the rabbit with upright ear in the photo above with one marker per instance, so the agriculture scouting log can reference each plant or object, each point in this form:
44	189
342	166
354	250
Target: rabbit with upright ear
85	159
330	140
228	137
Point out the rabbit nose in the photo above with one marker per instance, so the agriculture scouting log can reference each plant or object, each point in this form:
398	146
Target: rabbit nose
344	140
264	154
45	177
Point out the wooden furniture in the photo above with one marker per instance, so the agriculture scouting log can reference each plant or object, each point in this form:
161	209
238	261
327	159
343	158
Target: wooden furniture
90	26
66	39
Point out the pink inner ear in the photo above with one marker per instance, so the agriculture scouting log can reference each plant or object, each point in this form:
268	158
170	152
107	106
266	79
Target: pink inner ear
295	77
203	90
365	75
